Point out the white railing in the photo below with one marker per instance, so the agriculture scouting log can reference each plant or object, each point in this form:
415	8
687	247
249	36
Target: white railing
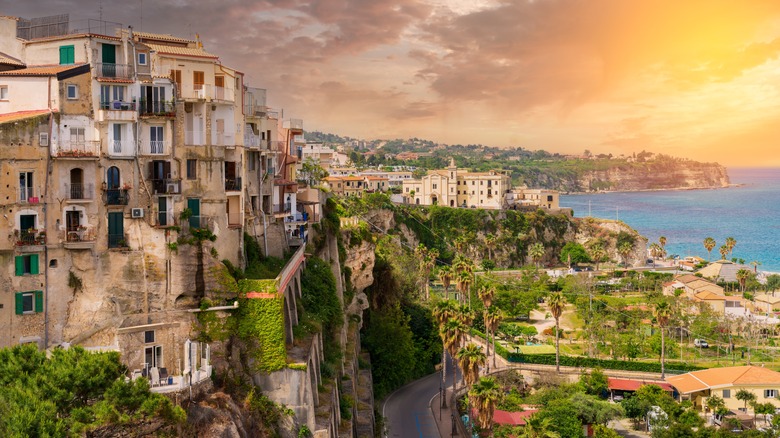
157	147
223	139
211	92
223	93
78	148
253	141
121	147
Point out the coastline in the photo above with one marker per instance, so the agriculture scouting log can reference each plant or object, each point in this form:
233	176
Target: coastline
670	189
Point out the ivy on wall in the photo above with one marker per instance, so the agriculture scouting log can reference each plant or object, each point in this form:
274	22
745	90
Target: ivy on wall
261	323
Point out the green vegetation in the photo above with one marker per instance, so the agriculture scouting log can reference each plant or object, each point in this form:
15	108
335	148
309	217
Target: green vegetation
72	392
261	323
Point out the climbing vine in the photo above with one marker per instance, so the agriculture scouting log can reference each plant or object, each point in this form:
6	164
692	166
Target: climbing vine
261	322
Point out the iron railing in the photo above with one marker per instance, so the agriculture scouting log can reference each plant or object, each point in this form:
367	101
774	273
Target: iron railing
166	185
79	191
108	70
233	185
117	197
117	241
157	108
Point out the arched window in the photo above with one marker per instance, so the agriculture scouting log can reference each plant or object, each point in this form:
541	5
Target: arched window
112	178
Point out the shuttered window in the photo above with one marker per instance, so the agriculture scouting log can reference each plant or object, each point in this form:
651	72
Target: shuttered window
67	55
29	302
26	264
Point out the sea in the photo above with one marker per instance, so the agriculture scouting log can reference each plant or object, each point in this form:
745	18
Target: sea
749	211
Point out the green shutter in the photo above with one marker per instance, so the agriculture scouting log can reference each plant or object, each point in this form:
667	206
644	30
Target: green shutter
34	264
19	261
38	301
19	303
67	55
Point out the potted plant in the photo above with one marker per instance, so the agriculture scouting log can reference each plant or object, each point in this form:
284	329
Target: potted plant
126	186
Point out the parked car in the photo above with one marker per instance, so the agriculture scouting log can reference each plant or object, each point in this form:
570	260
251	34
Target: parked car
701	343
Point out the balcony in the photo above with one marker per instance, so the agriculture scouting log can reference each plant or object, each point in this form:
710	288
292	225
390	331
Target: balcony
166	186
113	71
294	124
202	222
233	185
78	149
76	192
210	92
276	145
194	138
117	111
31	240
124	148
254	142
156	147
79	238
117	241
117	196
296	219
282	210
223	139
154	108
27	196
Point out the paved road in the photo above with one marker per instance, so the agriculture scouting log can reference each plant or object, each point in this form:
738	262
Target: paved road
407	412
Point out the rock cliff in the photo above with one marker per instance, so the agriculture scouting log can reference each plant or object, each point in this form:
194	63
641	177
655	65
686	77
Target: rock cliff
655	176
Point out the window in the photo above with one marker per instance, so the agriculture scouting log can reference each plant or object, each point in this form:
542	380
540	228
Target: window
67	55
434	186
26	264
176	77
198	79
73	91
3	92
192	169
77	136
25	186
29	302
726	393
149	337
142	58
153	356
770	393
156	140
112	97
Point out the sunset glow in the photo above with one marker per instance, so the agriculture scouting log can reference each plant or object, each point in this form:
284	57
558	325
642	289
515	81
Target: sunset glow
696	79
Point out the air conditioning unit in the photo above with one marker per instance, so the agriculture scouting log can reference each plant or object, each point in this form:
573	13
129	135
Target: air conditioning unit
137	213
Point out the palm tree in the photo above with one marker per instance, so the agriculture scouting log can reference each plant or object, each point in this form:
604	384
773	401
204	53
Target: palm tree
662	241
709	244
731	243
742	277
536	251
490	243
485	395
625	250
663	313
493	318
470	358
443	311
486	292
597	253
538	427
452	333
755	264
724	251
445	276
655	250
556	302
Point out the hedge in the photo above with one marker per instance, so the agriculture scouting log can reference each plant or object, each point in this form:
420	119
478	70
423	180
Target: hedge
589	362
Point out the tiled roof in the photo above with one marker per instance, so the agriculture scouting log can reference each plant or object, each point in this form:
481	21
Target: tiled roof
633	385
161	37
39	70
21	115
9	60
768	298
724	377
116	80
180	51
709	296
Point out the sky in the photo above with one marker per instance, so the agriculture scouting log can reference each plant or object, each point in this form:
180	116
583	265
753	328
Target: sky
695	79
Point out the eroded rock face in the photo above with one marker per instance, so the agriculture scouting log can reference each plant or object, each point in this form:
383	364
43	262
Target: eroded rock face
592	229
360	259
656	177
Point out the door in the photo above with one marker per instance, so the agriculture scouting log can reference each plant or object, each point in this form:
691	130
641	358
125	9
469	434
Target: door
153	356
76	184
156	139
220	132
72	219
117	138
109	60
162	211
230	175
219	87
194	205
116	230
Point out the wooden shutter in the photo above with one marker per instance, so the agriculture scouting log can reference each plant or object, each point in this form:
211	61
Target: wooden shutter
19	303
19	262
67	55
38	301
34	264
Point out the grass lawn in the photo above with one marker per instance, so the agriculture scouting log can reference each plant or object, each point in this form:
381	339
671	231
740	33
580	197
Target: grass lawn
537	349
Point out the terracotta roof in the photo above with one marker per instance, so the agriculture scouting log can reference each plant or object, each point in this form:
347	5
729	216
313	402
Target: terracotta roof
116	80
73	36
161	37
687	278
512	418
9	60
633	385
180	51
21	115
707	295
39	70
768	299
714	378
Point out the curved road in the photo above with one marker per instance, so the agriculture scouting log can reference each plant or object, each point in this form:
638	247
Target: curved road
407	412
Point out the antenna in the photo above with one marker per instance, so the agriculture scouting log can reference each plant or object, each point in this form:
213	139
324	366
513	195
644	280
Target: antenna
141	27
100	9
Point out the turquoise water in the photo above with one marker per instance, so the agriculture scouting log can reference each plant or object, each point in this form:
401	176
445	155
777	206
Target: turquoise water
750	214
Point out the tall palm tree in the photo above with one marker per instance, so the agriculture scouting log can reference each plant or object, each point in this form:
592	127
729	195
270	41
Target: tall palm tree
709	244
443	311
755	264
557	302
490	243
538	427
662	312
493	318
742	277
485	395
625	250
536	251
486	292
662	242
445	276
724	251
655	250
452	333
470	358
731	243
597	253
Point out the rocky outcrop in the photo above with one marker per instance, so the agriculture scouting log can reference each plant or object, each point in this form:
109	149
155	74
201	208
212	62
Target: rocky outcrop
655	176
360	261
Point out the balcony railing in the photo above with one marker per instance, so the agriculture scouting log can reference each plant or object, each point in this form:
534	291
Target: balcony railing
294	124
206	222
27	195
157	108
117	196
78	238
120	147
277	145
78	149
194	138
222	93
77	191
165	218
119	71
117	241
223	139
253	141
283	208
233	185
156	147
31	238
211	92
166	186
117	105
